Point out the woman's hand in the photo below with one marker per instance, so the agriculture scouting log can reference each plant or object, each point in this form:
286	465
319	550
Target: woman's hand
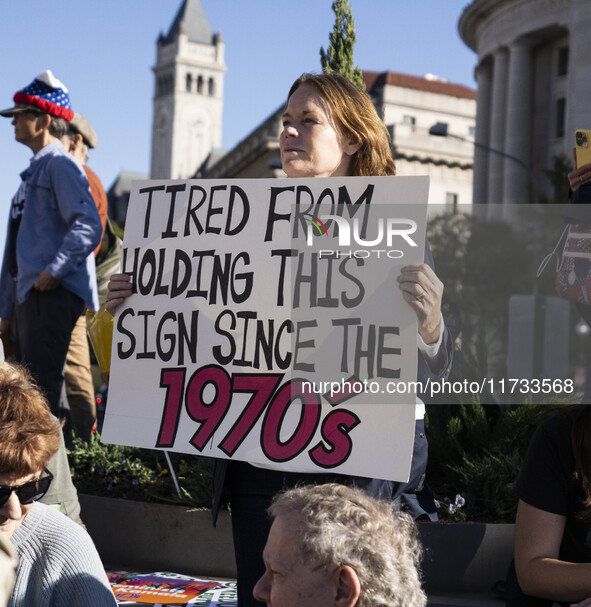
423	291
585	603
118	290
579	176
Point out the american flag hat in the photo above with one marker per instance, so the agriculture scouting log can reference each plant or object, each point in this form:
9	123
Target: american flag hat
47	94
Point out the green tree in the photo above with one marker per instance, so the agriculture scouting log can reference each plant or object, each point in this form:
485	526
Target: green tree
339	55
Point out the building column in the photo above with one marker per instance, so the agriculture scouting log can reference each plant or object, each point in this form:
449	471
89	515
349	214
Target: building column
497	126
483	75
579	74
517	180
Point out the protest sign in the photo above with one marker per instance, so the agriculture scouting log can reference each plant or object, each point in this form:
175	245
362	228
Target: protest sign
267	325
188	590
158	589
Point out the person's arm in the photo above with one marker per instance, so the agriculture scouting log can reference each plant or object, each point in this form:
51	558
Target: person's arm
46	282
579	176
78	211
423	291
538	535
437	356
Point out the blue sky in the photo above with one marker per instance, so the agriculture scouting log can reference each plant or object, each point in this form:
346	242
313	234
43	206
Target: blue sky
103	50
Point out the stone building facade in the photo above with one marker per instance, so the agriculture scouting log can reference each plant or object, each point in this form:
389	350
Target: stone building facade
534	86
410	106
187	122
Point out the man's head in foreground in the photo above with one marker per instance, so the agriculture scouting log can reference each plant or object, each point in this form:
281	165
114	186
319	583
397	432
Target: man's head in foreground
332	545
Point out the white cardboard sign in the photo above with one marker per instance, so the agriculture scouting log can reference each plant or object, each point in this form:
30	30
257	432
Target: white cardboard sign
250	302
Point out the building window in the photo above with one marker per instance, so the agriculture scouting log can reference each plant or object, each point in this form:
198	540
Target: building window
451	202
189	83
562	61
560	116
211	87
471	131
200	85
410	121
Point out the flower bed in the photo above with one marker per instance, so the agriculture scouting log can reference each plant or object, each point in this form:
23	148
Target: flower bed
108	470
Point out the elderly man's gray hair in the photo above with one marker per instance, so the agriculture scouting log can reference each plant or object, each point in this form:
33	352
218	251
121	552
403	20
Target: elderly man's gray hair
344	526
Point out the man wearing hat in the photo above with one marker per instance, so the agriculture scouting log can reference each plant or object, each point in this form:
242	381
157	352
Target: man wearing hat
78	140
48	274
77	374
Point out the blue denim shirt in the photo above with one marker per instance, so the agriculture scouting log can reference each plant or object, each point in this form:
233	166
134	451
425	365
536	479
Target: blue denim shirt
59	229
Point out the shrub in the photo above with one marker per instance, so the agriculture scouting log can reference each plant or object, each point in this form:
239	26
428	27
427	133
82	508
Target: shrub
139	474
477	451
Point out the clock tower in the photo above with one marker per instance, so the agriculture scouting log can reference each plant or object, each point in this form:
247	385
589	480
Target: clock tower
188	96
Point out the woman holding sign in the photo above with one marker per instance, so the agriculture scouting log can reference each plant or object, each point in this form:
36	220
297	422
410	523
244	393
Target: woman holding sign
330	129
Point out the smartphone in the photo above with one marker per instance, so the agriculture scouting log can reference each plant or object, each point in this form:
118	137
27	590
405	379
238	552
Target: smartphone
583	146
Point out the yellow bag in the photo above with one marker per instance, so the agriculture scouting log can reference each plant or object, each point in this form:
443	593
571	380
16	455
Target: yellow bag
100	332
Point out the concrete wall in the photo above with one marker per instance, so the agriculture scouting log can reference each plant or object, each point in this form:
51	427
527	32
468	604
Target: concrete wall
143	537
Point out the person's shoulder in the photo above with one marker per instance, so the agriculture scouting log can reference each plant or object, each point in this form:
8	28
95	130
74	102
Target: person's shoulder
60	552
58	159
559	423
93	178
59	530
553	434
57	542
555	429
40	527
90	173
52	515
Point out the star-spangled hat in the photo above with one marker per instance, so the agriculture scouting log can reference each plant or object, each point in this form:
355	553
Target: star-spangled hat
47	94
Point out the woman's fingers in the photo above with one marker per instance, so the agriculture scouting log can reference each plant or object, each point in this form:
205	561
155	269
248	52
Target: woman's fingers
423	290
118	289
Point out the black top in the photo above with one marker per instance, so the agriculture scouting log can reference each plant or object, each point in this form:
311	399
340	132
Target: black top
546	481
16	214
579	208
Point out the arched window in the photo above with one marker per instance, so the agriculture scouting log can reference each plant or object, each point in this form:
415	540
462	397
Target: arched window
200	85
211	86
189	83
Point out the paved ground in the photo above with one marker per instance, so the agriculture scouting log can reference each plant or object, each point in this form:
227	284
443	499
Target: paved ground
228	599
465	600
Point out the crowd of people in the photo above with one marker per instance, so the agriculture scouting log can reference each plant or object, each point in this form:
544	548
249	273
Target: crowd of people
300	538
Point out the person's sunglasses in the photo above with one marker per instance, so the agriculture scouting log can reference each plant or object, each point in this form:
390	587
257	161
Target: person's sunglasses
28	492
